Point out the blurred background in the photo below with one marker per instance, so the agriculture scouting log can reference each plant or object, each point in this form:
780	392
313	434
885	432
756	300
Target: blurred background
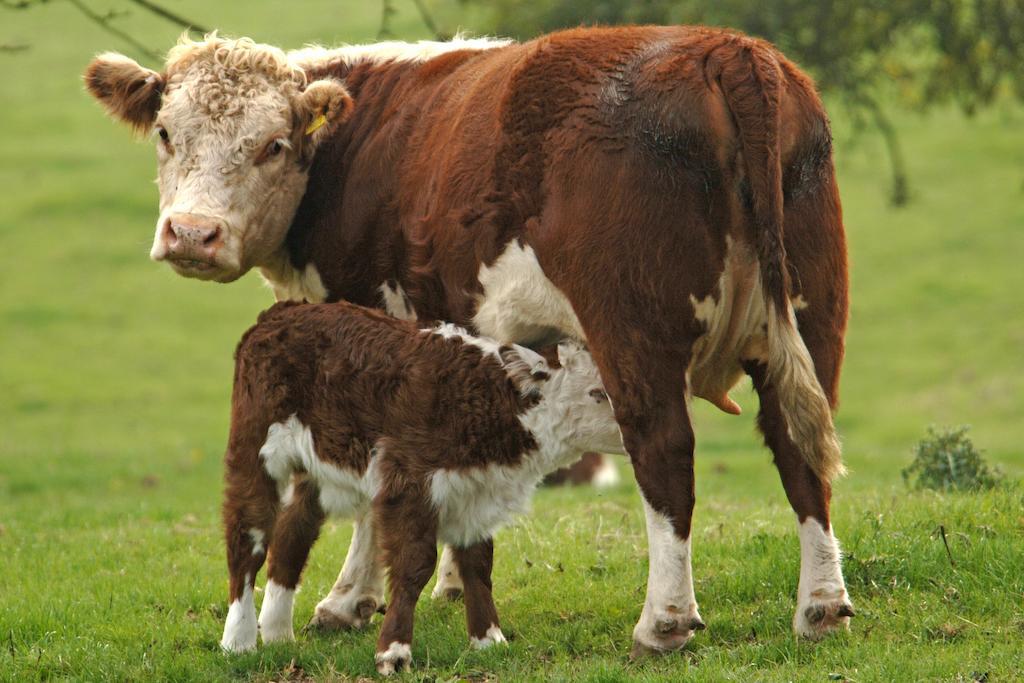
115	373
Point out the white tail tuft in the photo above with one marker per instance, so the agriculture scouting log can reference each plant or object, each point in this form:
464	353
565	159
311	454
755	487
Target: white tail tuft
803	403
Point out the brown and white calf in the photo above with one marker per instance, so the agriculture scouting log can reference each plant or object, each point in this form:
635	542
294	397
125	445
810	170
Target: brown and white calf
665	194
436	433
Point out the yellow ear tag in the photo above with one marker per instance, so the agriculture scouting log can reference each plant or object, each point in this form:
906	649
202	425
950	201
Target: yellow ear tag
316	124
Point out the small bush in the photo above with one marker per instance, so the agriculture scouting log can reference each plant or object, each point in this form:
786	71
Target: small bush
947	460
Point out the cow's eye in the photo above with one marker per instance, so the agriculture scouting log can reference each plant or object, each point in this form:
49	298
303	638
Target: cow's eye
274	148
165	140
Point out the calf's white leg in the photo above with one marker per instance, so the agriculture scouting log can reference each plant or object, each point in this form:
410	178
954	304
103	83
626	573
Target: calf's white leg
240	625
276	613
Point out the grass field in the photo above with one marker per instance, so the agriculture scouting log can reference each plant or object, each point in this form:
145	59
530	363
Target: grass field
115	379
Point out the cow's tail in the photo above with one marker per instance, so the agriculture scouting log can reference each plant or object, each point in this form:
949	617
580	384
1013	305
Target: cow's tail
751	79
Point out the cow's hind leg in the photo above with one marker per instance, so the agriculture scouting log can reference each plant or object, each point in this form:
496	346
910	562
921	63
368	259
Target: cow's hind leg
475	564
359	590
648	391
297	528
408	541
250	509
822	602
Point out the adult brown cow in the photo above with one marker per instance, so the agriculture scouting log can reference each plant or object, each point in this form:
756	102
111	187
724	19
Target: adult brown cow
666	194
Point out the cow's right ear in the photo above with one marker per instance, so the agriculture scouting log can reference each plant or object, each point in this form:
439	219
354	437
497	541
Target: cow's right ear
326	104
128	91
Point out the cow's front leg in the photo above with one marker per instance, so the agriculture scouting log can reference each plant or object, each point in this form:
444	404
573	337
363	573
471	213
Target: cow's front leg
822	602
359	590
449	581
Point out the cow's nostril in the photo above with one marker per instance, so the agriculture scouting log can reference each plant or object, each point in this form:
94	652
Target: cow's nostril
169	234
211	237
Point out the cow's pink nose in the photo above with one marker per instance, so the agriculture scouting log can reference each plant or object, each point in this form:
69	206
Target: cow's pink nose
192	237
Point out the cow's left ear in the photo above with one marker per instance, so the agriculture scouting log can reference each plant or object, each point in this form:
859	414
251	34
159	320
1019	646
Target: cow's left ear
326	104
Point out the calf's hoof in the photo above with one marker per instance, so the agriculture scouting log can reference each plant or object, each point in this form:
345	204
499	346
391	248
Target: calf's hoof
492	637
447	588
397	658
239	639
667	633
240	629
817	619
276	632
238	645
344	614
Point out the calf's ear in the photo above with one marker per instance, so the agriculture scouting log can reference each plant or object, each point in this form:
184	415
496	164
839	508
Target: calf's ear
325	105
128	91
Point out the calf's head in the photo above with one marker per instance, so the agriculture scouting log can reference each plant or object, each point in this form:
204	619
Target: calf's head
235	127
589	414
572	399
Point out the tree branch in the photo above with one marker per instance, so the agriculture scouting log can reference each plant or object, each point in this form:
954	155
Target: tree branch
428	20
20	4
104	23
170	16
900	193
387	10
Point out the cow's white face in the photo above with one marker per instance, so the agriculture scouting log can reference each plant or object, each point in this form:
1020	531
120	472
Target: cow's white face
235	126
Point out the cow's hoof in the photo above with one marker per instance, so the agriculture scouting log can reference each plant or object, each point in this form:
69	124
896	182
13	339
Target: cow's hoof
344	614
397	658
667	633
817	619
449	594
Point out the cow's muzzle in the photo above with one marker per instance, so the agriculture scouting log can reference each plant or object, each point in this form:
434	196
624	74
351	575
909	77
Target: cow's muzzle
190	243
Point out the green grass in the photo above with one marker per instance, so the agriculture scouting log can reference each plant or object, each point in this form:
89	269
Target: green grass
115	378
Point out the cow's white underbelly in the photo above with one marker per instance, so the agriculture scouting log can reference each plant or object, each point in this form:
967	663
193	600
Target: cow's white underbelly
520	304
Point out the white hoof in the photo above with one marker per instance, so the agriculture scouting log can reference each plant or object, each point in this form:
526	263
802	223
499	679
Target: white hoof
397	658
819	618
494	636
666	631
